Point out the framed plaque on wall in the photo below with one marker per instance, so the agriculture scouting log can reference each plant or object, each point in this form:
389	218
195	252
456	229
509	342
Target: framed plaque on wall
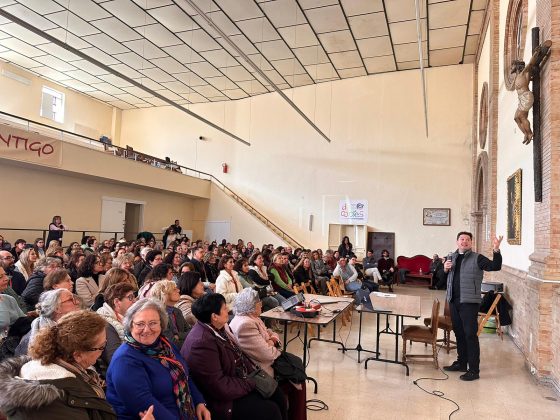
436	217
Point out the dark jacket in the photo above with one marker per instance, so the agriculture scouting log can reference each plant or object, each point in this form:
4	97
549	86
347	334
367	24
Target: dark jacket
18	281
347	253
55	399
369	262
182	328
301	275
143	274
135	381
212	363
33	290
200	269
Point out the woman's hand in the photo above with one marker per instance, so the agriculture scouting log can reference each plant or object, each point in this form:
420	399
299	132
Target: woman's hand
202	412
148	414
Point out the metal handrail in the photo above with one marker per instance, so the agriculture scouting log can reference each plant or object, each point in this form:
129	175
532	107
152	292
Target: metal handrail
44	232
168	165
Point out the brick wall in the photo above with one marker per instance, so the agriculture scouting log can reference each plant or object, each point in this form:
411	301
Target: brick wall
535	295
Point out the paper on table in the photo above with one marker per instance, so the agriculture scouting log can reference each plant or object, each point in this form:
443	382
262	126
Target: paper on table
387	295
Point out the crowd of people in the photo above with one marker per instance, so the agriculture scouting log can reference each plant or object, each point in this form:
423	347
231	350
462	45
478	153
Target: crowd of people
147	329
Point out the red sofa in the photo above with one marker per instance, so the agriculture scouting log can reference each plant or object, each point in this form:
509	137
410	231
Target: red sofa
414	265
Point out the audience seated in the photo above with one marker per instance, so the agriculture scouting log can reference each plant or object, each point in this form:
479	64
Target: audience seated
91	274
345	249
167	293
221	369
26	262
7	262
159	272
52	306
282	281
118	298
58	382
386	267
348	275
190	289
147	370
35	285
153	259
262	346
10	311
227	283
58	279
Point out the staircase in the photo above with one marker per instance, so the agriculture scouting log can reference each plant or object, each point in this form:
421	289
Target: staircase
253	211
129	153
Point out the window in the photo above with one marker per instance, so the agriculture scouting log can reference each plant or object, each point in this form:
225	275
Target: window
514	40
52	105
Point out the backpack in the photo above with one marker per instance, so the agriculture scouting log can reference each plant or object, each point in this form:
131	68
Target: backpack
289	367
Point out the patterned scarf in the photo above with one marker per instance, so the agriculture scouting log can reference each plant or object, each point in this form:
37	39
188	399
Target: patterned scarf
87	375
161	350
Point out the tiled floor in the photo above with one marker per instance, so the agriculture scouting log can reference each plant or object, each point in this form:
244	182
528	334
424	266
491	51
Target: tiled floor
506	390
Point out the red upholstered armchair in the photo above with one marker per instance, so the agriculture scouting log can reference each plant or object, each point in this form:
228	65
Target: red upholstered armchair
418	268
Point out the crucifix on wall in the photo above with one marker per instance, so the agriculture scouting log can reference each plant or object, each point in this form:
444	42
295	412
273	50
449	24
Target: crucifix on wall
531	99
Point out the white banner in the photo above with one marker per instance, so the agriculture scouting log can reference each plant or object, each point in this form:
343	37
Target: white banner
353	212
23	145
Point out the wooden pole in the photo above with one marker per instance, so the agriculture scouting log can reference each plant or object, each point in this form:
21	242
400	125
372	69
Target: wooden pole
537	144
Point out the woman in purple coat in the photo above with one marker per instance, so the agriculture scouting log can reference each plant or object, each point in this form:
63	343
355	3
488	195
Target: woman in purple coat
221	369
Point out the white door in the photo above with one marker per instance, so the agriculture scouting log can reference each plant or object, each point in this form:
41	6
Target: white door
113	215
217	230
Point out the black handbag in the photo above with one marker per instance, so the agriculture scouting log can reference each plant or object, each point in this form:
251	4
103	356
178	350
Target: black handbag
289	367
264	383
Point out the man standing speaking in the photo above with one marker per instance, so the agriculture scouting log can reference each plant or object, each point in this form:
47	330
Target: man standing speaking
465	270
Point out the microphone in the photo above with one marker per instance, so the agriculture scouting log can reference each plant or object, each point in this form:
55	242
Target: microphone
449	256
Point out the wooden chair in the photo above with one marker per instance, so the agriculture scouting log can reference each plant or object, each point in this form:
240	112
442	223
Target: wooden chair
423	334
445	324
336	291
493	311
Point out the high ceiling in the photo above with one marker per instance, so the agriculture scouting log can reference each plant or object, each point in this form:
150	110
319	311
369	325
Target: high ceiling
169	48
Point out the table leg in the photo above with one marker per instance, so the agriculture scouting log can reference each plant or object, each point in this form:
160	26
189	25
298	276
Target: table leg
285	335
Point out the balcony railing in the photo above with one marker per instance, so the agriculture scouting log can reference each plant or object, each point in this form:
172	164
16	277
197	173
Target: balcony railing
130	153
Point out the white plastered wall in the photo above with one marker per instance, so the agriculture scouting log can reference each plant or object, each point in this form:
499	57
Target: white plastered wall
378	152
512	155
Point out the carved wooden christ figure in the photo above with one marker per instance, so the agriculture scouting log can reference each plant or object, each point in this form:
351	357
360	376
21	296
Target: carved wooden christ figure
522	79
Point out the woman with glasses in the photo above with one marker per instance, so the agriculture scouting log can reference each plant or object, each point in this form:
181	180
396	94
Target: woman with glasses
58	381
148	370
58	279
52	306
91	274
118	298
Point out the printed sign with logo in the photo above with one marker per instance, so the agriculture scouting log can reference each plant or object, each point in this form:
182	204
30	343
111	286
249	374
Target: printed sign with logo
353	212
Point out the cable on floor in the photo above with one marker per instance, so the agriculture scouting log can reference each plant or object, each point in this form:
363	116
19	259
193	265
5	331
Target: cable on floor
316	405
436	392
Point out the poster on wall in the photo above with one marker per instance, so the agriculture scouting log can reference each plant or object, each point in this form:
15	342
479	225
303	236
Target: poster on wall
24	145
353	212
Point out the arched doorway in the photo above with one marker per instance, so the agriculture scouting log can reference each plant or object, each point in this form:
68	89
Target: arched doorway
479	212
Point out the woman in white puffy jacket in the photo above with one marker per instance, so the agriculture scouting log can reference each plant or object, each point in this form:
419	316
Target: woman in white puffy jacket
227	283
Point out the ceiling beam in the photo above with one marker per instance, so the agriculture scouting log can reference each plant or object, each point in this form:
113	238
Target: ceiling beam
257	69
86	57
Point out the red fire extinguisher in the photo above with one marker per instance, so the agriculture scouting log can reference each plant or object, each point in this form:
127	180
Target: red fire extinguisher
225	168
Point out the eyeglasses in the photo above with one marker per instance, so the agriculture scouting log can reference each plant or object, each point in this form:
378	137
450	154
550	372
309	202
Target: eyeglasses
152	325
129	297
73	299
98	348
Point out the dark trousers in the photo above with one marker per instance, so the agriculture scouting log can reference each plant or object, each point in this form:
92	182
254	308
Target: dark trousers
370	285
256	407
464	317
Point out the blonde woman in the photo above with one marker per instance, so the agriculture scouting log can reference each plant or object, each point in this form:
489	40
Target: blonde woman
26	262
166	292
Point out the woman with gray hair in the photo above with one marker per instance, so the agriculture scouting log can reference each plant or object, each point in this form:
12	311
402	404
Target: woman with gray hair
52	305
148	370
263	346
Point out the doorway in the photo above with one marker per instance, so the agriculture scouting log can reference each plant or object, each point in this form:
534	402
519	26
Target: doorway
121	217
